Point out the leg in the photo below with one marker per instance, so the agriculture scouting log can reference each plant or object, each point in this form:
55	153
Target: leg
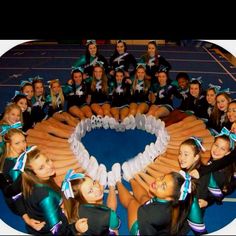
77	112
106	107
96	108
142	108
133	108
129	202
111	198
139	192
115	113
87	111
161	111
152	110
124	113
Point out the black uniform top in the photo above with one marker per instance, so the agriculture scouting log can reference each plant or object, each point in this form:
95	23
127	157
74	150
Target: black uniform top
139	94
197	105
49	108
154	217
218	164
101	219
153	64
27	120
98	96
13	187
38	112
88	63
120	95
126	60
44	204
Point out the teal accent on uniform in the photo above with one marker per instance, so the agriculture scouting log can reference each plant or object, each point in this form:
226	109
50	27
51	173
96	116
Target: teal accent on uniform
155	199
67	89
212	182
114	222
48	99
14	173
134	229
2	144
80	62
195	213
51	207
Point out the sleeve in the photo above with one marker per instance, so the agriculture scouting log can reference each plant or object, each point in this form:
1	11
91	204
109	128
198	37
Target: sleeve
114	220
195	218
80	62
133	62
202	188
165	63
219	164
53	219
104	60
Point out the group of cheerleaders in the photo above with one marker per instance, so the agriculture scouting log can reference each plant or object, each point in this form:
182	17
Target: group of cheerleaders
42	181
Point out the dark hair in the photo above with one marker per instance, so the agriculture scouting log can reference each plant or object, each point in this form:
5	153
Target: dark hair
182	75
180	208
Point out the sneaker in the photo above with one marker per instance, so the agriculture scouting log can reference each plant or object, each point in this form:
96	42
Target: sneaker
132	122
143	120
85	162
126	172
89	126
99	121
112	122
105	122
103	178
126	122
138	118
111	179
116	170
92	167
93	121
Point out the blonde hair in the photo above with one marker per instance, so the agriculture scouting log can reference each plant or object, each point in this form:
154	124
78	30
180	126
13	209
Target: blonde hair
53	96
7	110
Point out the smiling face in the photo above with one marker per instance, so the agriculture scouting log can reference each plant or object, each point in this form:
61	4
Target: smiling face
91	190
55	87
38	89
23	104
13	116
222	102
187	157
211	96
92	48
119	77
120	47
17	144
231	112
163	187
162	78
194	90
28	91
220	148
152	50
43	167
183	83
98	72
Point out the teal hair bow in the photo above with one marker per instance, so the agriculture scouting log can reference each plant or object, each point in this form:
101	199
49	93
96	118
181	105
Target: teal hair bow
6	128
35	78
186	186
79	68
232	136
66	184
141	65
100	63
198	142
21	160
24	82
199	79
215	87
18	93
121	67
227	90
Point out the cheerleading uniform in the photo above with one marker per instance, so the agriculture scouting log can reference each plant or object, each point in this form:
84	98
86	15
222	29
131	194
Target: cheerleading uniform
101	219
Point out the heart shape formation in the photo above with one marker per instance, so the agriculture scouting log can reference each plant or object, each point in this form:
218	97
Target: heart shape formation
135	164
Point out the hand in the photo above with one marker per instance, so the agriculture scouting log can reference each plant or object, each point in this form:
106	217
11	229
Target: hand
70	82
194	173
128	81
85	76
81	225
35	224
127	74
202	203
112	72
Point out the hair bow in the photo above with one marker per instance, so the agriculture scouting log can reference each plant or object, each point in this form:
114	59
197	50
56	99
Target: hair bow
198	142
18	93
141	65
163	69
35	78
232	136
6	128
215	87
100	63
90	41
199	79
21	160
121	67
227	90
24	82
186	186
79	68
52	81
66	184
